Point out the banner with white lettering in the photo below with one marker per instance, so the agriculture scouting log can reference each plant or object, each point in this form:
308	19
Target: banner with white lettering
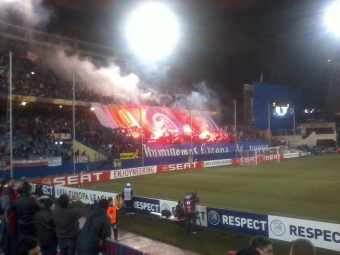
30	162
146	205
47	190
86	196
130	172
321	234
221	162
241	222
172	150
76	179
54	161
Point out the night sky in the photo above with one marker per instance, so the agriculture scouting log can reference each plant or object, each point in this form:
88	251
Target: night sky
226	43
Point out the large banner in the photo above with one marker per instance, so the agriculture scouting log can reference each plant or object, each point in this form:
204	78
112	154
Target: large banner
241	222
172	150
321	234
30	162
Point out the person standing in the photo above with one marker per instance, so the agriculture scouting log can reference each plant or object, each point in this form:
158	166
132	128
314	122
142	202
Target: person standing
112	213
8	194
190	213
96	229
128	198
66	220
25	208
45	228
262	244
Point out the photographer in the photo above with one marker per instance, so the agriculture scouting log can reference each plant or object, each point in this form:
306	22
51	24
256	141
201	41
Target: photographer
190	213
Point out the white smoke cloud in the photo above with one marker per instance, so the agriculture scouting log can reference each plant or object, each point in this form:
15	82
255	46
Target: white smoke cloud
30	12
203	97
104	80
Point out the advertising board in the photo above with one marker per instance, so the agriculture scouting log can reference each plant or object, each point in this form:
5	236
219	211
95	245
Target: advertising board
179	167
241	222
48	190
222	162
86	196
321	234
76	179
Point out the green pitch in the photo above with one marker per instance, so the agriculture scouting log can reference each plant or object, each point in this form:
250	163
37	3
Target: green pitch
306	187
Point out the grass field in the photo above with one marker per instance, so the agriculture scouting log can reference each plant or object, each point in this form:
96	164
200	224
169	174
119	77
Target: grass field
306	187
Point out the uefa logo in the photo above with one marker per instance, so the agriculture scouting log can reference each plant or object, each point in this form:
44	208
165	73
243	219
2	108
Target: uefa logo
277	227
213	218
165	207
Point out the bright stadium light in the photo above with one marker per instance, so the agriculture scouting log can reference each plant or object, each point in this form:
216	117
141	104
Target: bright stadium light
152	31
332	18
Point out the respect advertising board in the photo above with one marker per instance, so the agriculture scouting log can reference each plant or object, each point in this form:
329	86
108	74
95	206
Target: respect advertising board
240	222
86	196
321	234
47	190
146	205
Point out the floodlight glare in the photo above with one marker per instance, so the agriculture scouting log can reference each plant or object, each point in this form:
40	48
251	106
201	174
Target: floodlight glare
332	18
152	31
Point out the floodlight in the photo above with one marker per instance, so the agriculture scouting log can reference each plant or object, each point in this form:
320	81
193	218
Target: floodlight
152	31
332	18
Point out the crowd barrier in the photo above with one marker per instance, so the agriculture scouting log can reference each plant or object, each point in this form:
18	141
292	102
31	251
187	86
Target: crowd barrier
113	248
323	234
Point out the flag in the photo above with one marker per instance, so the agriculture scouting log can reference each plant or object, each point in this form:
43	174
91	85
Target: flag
261	77
32	57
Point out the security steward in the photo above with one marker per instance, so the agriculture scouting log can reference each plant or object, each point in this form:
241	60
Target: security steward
112	213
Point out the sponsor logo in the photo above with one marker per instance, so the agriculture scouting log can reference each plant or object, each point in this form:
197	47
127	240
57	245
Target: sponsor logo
180	166
165	207
74	179
307	153
244	222
277	227
116	174
213	218
146	206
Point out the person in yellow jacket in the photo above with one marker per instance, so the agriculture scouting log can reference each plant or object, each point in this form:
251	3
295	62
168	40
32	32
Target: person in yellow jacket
112	213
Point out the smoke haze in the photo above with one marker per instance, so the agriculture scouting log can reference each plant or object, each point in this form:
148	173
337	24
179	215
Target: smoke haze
29	13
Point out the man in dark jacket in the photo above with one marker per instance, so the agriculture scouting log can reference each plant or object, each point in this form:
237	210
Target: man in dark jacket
96	229
66	220
8	194
25	208
45	227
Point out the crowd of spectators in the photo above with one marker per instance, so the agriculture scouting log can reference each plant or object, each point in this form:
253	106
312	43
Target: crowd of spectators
37	133
33	132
